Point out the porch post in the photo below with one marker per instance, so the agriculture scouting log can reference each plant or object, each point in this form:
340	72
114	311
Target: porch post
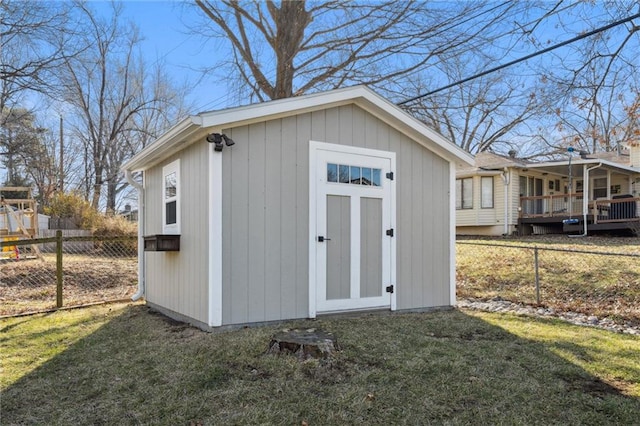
585	196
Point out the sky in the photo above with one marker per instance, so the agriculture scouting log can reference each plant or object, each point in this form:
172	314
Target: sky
165	38
162	25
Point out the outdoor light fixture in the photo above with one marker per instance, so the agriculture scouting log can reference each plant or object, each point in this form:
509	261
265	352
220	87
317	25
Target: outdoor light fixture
227	140
217	139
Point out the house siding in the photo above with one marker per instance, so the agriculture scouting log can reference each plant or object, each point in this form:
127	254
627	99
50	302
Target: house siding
483	221
266	213
178	280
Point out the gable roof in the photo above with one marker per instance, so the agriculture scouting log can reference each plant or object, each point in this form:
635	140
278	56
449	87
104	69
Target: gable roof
487	164
184	133
486	161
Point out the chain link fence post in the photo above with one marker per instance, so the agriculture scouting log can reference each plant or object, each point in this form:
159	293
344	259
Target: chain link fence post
59	268
537	274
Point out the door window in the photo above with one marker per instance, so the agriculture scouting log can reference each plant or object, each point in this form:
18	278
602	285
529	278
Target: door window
354	175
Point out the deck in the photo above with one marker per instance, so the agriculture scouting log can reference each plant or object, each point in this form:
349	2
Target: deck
550	214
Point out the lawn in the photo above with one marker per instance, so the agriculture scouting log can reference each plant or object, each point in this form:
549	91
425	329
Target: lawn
123	364
572	276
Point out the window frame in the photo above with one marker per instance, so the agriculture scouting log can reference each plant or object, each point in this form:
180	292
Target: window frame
171	228
482	197
460	194
597	190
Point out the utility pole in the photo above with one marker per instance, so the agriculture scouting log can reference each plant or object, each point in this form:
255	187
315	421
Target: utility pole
61	155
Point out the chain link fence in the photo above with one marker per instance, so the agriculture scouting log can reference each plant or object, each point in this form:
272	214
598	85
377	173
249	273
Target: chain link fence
62	271
604	284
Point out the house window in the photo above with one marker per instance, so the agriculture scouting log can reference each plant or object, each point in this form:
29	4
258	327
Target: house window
464	193
486	195
599	188
171	198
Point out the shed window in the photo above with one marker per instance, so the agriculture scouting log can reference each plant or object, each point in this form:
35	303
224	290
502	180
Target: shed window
464	193
486	196
171	198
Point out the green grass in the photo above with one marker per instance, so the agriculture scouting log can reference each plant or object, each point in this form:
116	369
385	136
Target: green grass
123	364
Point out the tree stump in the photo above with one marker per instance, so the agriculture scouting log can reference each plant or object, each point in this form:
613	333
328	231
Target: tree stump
304	344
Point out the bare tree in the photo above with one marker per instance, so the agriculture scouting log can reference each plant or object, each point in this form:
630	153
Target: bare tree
487	114
288	48
18	137
41	166
33	39
577	95
596	80
118	98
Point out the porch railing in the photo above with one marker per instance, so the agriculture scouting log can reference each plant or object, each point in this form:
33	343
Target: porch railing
623	208
551	205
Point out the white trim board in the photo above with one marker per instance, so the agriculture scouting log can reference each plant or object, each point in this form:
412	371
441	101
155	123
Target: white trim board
215	237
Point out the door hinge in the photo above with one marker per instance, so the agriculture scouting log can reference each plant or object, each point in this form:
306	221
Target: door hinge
390	232
389	288
390	175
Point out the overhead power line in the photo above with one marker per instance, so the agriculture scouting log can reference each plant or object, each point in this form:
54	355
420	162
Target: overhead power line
524	58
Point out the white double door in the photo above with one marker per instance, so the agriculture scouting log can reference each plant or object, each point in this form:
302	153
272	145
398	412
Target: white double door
354	233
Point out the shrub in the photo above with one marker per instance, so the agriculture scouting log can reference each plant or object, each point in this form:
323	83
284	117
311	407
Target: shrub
117	226
74	207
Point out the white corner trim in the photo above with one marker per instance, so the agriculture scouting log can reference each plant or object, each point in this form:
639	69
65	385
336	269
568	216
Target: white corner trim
215	237
452	234
313	193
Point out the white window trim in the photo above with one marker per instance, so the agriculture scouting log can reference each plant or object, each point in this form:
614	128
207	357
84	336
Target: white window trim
173	228
462	205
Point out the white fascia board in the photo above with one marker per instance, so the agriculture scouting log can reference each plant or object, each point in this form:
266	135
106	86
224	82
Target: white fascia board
281	108
471	173
580	162
163	146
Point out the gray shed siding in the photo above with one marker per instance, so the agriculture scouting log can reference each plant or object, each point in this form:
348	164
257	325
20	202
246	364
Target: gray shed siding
178	280
265	213
265	222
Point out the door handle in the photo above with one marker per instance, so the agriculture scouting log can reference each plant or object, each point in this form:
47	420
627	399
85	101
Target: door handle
322	239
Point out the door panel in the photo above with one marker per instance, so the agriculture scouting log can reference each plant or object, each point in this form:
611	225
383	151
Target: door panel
371	247
338	247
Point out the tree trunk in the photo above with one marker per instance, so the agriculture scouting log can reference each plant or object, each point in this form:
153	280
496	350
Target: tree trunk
304	344
291	20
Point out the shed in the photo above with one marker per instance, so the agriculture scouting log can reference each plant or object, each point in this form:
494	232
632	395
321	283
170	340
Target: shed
332	202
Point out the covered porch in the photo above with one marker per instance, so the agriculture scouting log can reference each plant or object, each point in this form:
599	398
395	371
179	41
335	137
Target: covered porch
588	195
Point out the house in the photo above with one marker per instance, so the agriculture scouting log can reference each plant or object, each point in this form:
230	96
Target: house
332	202
129	214
502	195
